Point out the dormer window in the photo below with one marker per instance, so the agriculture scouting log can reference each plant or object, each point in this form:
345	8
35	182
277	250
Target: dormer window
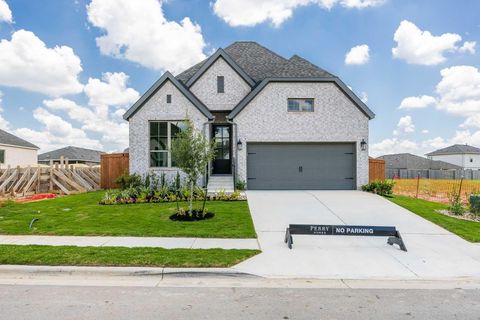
169	98
220	84
300	105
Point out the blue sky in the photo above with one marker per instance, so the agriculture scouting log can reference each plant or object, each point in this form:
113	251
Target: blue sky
61	85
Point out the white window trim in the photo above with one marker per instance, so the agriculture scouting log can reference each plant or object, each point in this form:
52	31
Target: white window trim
169	143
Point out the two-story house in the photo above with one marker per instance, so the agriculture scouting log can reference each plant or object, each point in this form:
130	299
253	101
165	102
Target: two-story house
277	123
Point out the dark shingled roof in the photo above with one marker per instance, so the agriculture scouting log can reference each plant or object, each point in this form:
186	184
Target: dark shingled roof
10	139
456	149
260	63
72	154
414	162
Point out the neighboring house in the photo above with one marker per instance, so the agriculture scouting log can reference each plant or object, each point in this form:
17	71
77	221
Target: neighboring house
277	123
408	161
465	156
15	151
72	154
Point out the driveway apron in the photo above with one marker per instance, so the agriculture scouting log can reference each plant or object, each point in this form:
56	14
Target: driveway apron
433	253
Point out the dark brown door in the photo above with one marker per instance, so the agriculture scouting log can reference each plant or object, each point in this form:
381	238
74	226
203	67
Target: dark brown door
222	163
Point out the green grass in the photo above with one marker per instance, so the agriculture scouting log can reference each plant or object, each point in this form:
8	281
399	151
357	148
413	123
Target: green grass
81	215
468	230
121	256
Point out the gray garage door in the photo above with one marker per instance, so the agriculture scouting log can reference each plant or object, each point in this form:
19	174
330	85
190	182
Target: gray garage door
305	166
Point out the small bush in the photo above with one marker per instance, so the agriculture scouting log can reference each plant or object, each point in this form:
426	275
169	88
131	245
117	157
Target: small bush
380	187
474	201
240	185
129	180
455	206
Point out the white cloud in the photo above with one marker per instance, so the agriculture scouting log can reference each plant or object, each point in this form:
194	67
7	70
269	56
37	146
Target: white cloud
405	125
27	63
252	12
5	12
56	133
358	55
421	47
425	131
138	31
459	91
417	102
394	145
4	124
112	91
468	46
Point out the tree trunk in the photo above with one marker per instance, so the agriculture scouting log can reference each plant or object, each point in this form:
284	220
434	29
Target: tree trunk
190	206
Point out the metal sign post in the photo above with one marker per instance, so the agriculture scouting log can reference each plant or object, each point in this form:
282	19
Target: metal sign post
392	233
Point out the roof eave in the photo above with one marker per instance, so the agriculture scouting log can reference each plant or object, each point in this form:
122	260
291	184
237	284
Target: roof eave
167	76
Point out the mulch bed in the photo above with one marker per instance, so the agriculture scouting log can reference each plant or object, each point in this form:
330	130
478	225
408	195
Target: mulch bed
465	216
196	216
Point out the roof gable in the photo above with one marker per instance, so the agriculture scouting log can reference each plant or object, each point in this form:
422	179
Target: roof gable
414	162
7	138
349	93
167	76
211	60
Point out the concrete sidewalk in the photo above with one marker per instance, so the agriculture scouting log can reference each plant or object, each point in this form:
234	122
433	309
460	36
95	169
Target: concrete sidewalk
132	242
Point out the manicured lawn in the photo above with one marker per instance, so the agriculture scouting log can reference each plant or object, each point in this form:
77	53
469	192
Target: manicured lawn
469	230
82	215
121	256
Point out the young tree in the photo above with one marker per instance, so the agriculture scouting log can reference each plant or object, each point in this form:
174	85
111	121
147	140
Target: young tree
191	152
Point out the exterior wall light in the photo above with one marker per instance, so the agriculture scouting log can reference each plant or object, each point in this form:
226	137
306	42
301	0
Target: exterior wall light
363	145
239	144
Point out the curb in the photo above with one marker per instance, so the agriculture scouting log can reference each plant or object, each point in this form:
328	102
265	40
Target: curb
122	271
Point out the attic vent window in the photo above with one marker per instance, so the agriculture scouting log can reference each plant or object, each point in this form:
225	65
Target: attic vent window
169	98
220	84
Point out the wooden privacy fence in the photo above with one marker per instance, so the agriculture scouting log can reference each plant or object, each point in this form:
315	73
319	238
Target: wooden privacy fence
112	166
376	169
59	178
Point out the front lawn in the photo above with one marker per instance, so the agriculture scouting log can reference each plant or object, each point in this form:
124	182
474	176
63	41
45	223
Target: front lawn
468	230
121	256
81	215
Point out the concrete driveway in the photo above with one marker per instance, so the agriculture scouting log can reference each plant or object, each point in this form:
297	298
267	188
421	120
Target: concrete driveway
433	253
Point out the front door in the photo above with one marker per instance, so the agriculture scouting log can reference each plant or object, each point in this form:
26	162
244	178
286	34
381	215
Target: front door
222	163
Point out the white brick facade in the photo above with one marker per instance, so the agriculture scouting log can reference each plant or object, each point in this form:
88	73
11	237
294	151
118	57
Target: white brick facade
157	109
335	119
205	88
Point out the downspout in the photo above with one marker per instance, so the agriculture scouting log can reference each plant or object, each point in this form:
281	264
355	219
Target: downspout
205	132
234	143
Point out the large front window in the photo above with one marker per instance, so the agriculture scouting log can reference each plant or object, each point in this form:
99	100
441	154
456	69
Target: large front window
161	135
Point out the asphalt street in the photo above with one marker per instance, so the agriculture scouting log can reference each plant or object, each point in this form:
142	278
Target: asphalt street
117	302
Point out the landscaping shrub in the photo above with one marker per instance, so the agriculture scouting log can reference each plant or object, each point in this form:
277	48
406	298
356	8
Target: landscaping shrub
150	189
240	185
129	180
474	201
455	206
380	187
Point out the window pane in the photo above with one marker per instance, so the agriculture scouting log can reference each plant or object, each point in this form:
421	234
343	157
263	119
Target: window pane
177	127
2	156
158	159
153	129
163	129
220	84
158	143
301	105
